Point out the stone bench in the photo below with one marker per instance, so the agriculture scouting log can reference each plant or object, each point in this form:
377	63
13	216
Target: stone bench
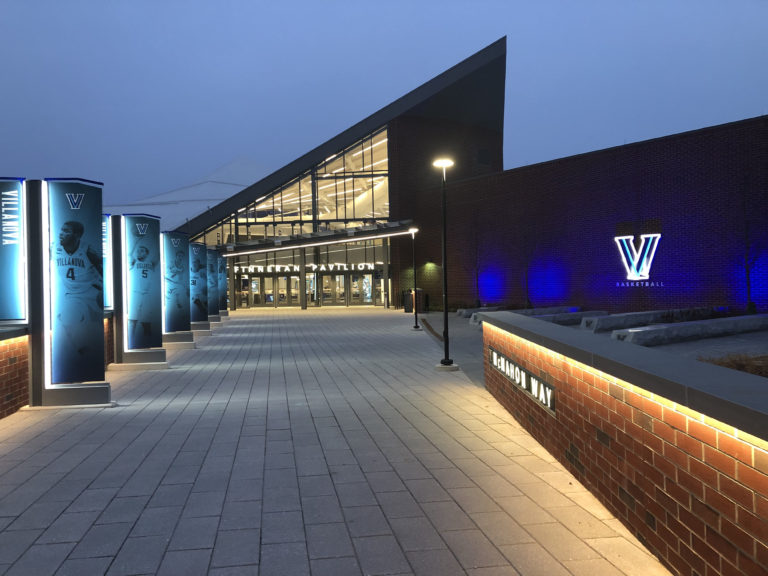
570	318
632	319
468	312
657	334
545	310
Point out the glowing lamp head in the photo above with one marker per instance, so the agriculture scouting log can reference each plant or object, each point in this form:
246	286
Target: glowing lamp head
412	231
443	163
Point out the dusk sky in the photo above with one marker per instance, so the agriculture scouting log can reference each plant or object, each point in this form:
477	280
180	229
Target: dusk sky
151	95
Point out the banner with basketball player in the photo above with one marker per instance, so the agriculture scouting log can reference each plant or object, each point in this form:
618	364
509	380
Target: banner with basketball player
12	245
176	316
198	282
222	283
143	290
76	281
212	259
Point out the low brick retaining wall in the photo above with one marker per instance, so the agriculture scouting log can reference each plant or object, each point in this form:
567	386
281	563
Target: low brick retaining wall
14	364
14	370
674	448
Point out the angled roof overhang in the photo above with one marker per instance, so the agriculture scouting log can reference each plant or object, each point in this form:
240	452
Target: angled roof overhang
322	238
471	92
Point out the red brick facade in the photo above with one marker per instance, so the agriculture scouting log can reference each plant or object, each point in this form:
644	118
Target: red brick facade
542	235
14	375
694	490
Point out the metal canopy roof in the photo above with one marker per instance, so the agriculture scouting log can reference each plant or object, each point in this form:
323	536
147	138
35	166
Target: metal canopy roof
461	94
321	238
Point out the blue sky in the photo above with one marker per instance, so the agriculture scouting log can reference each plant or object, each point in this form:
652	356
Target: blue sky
151	95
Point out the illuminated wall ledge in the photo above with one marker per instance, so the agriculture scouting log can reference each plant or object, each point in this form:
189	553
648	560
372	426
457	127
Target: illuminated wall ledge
9	331
676	449
735	398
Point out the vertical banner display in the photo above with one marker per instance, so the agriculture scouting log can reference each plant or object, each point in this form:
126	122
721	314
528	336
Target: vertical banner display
198	282
106	249
212	259
12	250
76	281
176	315
141	251
222	282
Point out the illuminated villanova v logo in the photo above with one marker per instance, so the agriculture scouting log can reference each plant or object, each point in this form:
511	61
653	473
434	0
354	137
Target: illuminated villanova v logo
75	200
142	228
638	261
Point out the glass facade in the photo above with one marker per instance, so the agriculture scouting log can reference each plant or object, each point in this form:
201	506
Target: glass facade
349	189
346	190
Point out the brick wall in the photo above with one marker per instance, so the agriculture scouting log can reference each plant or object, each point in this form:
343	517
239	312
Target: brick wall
694	490
14	375
542	235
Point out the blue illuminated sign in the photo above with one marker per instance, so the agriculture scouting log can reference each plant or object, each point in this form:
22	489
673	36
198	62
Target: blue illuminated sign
637	260
13	302
143	290
76	281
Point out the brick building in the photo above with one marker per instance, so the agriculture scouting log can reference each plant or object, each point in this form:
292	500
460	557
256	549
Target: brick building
672	222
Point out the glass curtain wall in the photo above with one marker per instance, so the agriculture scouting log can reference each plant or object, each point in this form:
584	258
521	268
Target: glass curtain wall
348	189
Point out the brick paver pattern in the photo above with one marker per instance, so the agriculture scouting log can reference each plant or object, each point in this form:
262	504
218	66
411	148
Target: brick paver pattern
294	442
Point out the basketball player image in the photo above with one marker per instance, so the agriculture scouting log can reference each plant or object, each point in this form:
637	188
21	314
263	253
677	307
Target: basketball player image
213	286
198	282
79	271
178	292
141	310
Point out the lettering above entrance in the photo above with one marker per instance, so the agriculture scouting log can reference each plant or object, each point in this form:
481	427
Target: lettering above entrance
277	269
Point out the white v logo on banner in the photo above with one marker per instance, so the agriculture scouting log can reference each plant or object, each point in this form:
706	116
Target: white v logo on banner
75	200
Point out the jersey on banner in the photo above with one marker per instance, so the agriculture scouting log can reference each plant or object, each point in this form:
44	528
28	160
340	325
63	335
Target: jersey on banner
13	303
77	300
198	282
222	282
213	281
142	249
176	281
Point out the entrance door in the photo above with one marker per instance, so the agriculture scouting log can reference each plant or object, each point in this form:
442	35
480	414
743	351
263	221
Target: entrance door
287	290
257	298
269	291
311	289
283	295
333	290
361	289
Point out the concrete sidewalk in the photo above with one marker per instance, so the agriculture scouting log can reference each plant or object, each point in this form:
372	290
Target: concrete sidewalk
296	442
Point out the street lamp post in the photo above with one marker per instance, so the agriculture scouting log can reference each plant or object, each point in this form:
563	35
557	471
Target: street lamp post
444	163
415	306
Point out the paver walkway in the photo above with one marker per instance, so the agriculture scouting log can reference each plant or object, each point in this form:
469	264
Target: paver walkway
295	442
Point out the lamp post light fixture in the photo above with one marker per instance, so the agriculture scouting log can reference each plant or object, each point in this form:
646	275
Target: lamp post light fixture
446	363
415	306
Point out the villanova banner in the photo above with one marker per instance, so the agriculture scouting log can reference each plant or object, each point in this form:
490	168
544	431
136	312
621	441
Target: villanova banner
222	282
106	248
198	282
12	257
176	282
142	272
76	281
213	282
